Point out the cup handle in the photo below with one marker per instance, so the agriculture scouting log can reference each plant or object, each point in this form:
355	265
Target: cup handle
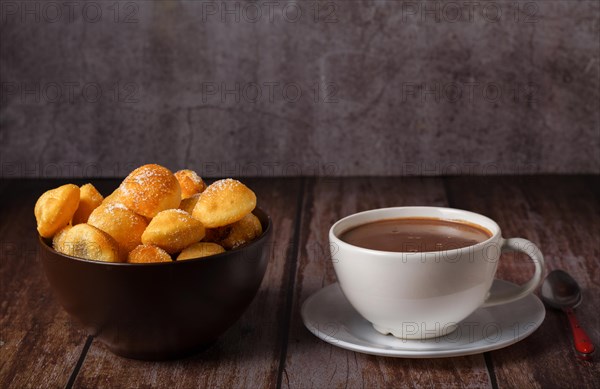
526	247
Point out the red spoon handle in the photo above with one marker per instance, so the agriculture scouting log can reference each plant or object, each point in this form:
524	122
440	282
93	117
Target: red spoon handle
583	344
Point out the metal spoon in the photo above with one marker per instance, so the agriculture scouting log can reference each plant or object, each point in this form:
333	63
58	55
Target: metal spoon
561	291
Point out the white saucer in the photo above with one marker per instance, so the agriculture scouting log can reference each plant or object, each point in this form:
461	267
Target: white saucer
329	316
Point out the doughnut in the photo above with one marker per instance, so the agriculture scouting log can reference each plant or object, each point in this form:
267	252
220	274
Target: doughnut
55	208
242	232
173	230
89	199
199	250
150	189
146	253
190	183
189	203
59	238
125	226
88	242
224	202
114	197
151	217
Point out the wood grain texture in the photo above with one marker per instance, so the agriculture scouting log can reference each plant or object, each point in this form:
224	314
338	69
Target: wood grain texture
39	345
248	354
4	184
561	216
313	363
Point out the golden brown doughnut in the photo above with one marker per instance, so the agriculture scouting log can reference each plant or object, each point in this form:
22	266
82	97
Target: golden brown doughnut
117	198
189	203
89	199
55	208
88	242
114	197
242	232
146	253
199	250
59	238
224	202
190	183
150	189
124	225
173	230
150	216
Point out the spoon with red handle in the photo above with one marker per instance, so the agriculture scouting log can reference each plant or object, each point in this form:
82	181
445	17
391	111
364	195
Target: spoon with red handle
561	291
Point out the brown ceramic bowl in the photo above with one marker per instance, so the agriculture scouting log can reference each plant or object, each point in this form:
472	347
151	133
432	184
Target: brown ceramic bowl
159	310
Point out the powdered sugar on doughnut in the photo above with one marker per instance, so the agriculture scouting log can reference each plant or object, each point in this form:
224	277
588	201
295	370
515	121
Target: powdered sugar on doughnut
224	202
217	187
146	182
192	175
150	189
190	183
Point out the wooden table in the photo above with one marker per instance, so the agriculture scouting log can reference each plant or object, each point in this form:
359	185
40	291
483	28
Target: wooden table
269	347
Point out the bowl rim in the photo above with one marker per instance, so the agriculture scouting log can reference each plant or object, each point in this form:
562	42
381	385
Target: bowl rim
215	257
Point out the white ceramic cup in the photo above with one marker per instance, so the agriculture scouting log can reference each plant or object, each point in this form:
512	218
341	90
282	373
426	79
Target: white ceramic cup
425	294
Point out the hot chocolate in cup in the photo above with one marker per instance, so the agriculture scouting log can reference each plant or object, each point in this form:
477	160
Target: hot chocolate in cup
423	290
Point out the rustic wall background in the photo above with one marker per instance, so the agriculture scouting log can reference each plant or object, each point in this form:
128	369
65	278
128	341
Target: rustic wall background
236	88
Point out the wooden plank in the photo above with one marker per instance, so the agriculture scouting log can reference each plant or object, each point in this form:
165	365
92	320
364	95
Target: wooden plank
5	183
560	214
248	354
39	345
311	362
